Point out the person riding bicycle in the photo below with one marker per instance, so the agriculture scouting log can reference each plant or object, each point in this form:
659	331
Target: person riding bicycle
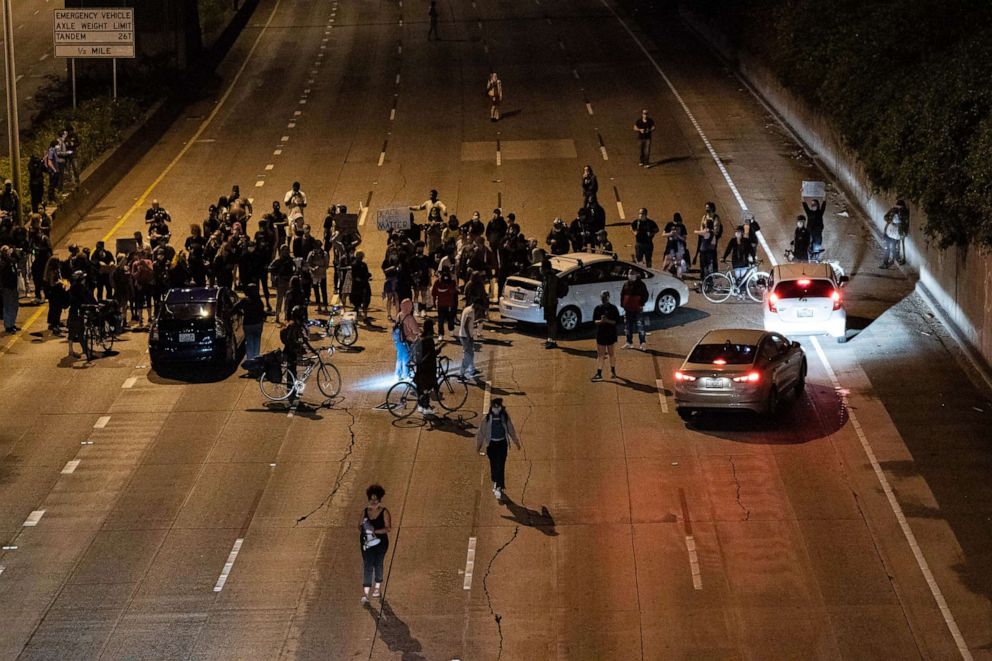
741	253
425	374
295	344
801	241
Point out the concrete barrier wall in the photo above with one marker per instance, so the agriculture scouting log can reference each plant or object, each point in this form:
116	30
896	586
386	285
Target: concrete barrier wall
956	282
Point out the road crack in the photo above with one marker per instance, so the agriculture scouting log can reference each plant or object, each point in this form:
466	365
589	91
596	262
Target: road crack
343	470
733	468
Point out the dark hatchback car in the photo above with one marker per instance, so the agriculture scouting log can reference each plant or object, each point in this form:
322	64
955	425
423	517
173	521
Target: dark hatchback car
197	325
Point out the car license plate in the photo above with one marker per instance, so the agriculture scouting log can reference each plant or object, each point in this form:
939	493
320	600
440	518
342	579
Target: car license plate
716	383
517	295
187	337
805	312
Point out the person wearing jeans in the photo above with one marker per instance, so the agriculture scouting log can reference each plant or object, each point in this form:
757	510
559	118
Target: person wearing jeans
492	440
633	297
374	526
254	317
465	330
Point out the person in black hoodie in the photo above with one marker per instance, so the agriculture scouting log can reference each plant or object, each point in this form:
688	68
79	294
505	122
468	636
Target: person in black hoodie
254	318
361	286
814	221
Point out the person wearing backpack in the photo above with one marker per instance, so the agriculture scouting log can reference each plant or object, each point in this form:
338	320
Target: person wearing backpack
492	440
406	331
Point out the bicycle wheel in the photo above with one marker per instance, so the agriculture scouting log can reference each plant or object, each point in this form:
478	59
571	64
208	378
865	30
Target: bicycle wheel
89	342
276	392
451	393
346	335
717	287
106	338
402	399
756	285
328	379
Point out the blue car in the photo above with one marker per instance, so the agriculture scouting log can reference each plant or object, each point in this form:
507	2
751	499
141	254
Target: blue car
197	325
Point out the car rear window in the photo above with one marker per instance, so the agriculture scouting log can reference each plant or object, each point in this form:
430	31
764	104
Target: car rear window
724	354
187	311
805	289
534	272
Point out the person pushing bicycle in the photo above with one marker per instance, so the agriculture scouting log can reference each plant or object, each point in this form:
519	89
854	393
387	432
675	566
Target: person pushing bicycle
295	345
741	253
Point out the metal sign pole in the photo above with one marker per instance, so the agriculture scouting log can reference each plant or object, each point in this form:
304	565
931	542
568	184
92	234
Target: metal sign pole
114	60
13	131
72	69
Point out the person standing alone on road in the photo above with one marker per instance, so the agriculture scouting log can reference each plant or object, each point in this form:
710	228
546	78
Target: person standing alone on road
375	525
432	14
644	127
494	89
606	317
492	439
633	296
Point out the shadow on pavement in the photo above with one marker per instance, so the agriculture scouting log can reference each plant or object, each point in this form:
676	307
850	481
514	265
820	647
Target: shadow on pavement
542	521
395	633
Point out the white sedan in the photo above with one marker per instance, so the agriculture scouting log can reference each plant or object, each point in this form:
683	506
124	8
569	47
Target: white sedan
587	274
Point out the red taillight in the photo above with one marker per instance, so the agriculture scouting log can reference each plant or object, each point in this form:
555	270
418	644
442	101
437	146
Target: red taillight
751	377
835	297
803	283
772	300
679	376
719	361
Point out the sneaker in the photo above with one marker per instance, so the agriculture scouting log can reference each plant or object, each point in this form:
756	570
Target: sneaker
498	493
376	593
613	374
642	347
495	489
626	345
598	376
365	599
429	411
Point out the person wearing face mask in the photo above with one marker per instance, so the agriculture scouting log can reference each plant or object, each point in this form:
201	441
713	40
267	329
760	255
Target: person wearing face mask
606	317
801	241
739	251
633	297
492	440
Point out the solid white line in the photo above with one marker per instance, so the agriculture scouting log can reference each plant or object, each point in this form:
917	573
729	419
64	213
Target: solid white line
382	157
269	166
392	114
101	422
129	382
602	150
33	518
620	210
232	556
589	108
661	394
70	467
697	577
469	564
259	183
890	495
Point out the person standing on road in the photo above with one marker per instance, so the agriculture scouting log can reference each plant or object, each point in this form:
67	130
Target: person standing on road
897	218
445	296
644	127
466	336
53	166
361	286
425	376
552	289
36	180
606	316
254	318
492	440
633	297
494	89
432	15
644	230
375	525
800	241
8	288
296	202
406	331
590	187
814	221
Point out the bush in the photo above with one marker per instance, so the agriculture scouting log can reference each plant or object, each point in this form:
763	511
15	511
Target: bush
904	83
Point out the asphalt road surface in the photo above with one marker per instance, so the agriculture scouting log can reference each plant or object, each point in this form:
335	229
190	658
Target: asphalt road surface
145	516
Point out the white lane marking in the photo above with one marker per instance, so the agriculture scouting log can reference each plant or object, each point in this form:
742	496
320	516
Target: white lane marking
487	397
1	566
86	442
70	467
277	152
480	24
401	22
325	39
661	394
101	422
890	495
323	46
8	548
361	216
43	57
602	150
231	557
392	114
18	79
397	79
575	73
269	166
297	113
485	47
620	210
399	50
589	108
129	382
33	518
291	125
697	576
303	102
259	183
469	564
382	157
499	158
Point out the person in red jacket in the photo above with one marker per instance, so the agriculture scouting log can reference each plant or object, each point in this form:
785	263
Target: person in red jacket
445	296
633	296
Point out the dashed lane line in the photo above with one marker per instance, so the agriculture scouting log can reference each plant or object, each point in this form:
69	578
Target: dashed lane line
129	382
661	395
226	571
589	108
690	544
33	518
101	422
70	467
469	564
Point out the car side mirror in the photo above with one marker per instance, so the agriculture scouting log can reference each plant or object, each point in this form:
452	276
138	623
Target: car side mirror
796	345
843	280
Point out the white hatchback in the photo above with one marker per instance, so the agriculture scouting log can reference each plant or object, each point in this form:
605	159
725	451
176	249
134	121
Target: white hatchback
805	299
587	275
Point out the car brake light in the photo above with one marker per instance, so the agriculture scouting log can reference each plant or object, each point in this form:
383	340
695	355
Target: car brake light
836	299
719	361
803	283
679	376
751	377
772	300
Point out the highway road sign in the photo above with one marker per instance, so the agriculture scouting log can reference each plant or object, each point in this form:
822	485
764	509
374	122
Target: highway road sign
94	32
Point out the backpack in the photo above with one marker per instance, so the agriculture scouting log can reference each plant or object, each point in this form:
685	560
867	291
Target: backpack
272	365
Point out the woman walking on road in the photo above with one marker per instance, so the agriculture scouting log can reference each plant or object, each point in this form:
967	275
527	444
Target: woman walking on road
494	88
492	440
375	526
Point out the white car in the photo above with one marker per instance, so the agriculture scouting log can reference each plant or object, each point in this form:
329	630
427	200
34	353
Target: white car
587	275
805	299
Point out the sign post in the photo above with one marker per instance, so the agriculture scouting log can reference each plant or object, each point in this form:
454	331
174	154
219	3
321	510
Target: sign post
94	33
13	130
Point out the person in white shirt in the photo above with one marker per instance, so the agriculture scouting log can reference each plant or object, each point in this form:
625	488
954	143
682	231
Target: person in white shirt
295	201
466	330
435	207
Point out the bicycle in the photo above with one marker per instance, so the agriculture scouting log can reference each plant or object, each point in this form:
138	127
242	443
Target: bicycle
449	392
340	325
99	328
328	378
719	286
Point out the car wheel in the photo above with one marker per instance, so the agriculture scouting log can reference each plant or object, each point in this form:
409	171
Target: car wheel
685	414
801	381
569	318
667	302
772	404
